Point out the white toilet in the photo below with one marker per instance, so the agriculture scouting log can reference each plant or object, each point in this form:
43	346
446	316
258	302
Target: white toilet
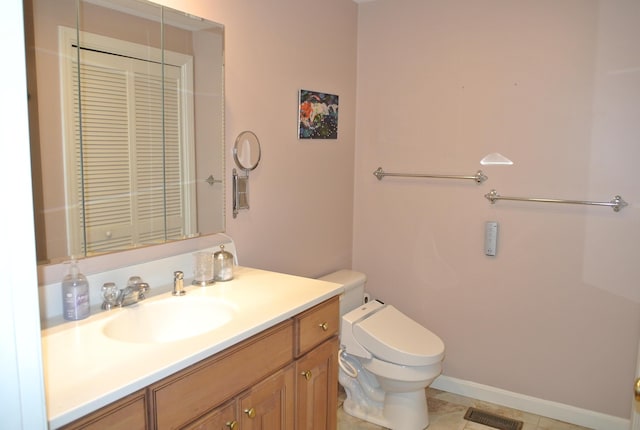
386	359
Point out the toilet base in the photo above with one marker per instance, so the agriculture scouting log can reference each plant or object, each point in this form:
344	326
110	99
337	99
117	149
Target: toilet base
367	401
400	411
407	410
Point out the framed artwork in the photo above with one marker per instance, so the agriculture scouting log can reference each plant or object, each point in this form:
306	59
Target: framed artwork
317	115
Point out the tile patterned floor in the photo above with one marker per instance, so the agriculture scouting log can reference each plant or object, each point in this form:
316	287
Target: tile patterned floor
446	412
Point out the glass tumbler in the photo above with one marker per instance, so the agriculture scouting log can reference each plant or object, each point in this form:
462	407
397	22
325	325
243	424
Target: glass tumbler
203	268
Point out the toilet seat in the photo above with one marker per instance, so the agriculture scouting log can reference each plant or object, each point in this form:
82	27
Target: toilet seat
384	369
394	337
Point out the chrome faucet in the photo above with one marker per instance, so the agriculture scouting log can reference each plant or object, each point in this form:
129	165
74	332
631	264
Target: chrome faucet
178	284
132	294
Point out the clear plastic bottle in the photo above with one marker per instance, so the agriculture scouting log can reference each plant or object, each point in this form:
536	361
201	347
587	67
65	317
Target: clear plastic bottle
75	294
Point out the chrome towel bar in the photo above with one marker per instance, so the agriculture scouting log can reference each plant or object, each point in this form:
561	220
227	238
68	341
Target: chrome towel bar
479	177
617	203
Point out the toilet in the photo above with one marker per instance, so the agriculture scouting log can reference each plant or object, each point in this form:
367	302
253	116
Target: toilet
386	359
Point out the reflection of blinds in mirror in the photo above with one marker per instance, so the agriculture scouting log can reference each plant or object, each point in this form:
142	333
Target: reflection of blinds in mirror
122	150
158	178
105	195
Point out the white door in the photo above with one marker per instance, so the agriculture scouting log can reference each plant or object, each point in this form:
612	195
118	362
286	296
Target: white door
635	413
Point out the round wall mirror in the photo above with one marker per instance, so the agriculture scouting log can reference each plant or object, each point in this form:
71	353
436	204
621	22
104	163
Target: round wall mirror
246	151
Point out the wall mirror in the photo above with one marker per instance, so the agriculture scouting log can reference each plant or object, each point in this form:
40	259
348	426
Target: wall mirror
126	117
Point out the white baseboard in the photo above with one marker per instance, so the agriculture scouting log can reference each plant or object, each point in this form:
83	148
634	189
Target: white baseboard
545	408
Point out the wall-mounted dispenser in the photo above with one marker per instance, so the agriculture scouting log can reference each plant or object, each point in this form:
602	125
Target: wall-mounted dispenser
246	154
495	159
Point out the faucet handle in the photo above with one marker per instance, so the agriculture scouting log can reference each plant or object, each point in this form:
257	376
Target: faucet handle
143	288
134	281
109	295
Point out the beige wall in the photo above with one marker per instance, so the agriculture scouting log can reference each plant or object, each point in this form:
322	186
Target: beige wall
555	86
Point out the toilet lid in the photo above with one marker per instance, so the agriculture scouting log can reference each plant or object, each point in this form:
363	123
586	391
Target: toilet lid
394	337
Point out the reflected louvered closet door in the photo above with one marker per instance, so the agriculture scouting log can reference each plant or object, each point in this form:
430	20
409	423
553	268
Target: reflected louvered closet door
103	182
131	168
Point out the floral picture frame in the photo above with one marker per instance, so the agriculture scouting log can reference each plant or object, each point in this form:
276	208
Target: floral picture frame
317	115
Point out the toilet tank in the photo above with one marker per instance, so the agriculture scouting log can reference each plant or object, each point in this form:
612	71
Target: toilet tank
353	283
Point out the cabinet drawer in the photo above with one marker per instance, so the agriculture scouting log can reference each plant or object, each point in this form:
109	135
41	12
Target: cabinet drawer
192	392
316	325
128	413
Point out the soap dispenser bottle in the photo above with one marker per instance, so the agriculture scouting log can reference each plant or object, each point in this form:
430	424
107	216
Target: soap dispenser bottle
75	294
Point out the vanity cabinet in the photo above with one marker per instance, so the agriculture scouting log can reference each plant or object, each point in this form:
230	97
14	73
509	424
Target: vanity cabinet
283	378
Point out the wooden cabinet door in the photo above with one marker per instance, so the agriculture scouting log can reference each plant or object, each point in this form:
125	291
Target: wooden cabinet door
270	404
221	418
317	388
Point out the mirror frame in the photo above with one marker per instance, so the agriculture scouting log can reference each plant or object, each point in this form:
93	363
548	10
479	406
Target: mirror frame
246	146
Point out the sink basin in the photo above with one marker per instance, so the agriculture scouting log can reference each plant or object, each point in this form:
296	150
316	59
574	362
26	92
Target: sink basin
168	320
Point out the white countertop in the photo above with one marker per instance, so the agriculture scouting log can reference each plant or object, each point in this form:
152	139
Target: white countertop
85	370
